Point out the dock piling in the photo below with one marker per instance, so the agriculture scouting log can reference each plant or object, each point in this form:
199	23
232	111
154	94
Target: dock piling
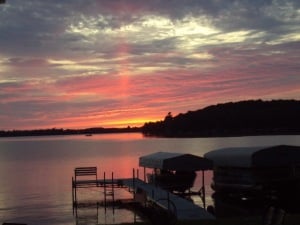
203	191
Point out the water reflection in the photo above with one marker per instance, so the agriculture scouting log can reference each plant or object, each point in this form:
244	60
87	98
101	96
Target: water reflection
35	172
93	207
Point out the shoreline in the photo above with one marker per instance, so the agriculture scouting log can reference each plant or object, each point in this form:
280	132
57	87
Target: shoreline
87	132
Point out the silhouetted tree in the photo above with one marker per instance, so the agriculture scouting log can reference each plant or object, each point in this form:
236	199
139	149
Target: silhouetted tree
253	117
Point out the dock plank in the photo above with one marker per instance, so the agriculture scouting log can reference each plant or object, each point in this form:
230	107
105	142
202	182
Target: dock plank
186	210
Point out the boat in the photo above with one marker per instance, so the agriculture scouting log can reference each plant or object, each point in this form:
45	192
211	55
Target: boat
271	173
175	172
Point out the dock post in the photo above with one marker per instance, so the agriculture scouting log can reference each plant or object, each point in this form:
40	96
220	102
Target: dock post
74	192
145	174
113	191
133	182
73	195
203	190
104	183
168	198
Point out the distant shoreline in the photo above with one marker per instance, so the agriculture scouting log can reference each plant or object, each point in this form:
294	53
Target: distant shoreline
59	132
244	118
88	132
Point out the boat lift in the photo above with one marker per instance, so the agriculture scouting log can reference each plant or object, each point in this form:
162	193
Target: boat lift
176	171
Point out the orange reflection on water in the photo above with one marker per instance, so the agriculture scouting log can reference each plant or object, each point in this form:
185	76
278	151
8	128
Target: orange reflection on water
122	168
115	136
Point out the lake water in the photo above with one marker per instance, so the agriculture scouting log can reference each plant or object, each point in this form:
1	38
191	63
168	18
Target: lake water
36	172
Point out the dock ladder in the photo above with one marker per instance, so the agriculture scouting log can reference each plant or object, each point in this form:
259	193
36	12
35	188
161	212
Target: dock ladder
90	179
109	190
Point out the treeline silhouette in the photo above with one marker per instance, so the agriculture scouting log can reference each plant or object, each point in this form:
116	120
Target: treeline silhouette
253	117
56	131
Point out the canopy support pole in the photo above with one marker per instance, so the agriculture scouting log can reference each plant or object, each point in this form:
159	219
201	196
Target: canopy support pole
203	190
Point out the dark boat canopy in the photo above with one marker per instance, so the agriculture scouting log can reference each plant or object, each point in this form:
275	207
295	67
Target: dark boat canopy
175	161
246	157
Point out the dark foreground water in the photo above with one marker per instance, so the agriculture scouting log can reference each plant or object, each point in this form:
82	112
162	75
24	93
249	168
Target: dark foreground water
36	172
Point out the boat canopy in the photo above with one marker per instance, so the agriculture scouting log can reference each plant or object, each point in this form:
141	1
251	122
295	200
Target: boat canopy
175	161
246	157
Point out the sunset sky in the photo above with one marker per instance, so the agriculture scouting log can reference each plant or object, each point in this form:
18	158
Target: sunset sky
119	63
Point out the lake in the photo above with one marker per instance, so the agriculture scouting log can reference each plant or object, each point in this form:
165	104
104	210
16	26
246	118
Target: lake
36	172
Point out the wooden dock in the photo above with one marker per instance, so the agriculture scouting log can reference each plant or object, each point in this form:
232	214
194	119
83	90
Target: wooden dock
142	192
185	209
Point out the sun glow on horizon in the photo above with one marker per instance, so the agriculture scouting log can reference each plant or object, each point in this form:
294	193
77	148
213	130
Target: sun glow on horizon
84	125
132	122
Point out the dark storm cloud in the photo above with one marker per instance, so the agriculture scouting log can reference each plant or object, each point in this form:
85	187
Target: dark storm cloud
40	26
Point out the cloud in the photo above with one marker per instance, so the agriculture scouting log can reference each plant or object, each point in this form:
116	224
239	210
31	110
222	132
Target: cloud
79	63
